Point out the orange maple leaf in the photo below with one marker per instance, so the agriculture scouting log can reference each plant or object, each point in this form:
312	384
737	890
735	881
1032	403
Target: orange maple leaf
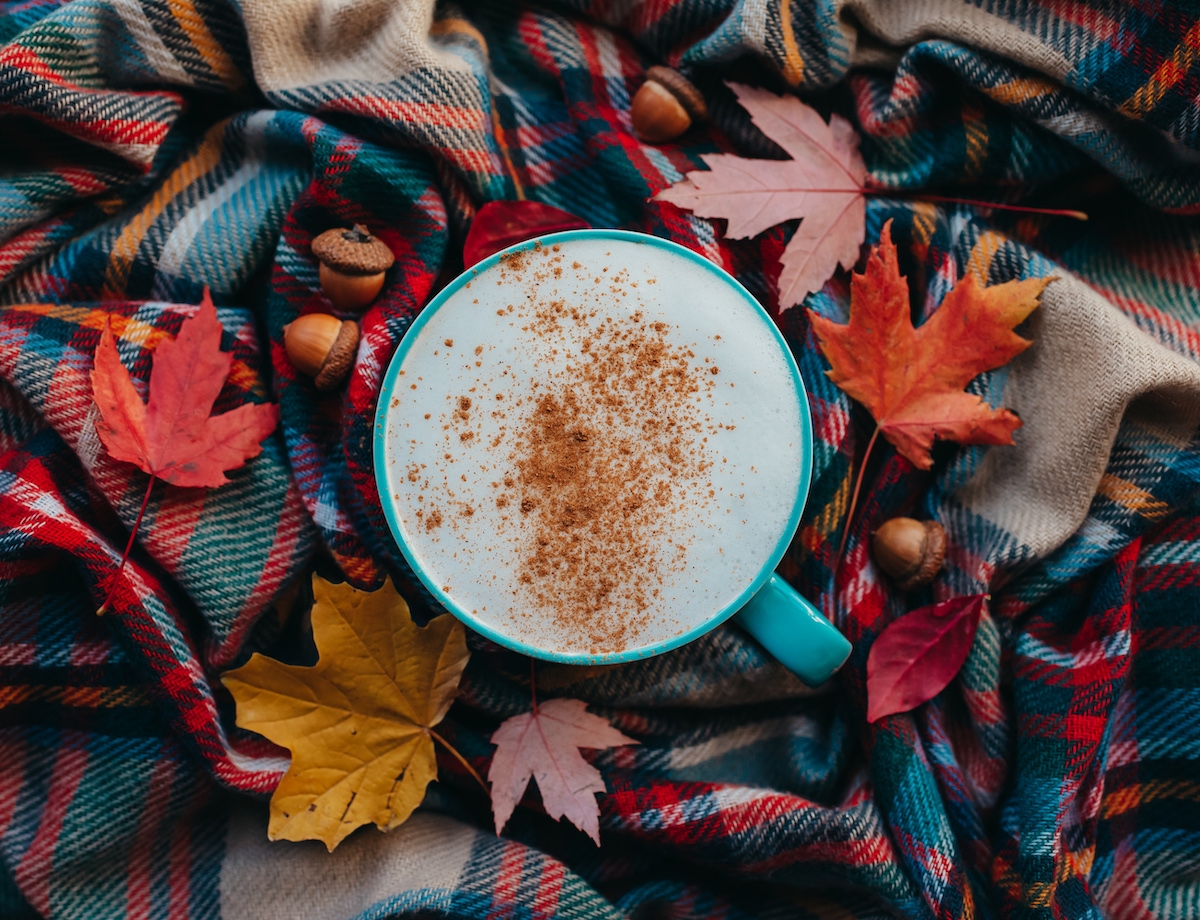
911	380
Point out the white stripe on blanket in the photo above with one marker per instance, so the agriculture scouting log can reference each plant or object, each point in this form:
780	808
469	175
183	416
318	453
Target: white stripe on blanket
261	880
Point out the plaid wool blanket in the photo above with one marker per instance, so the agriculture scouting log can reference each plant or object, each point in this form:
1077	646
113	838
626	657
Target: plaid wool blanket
151	147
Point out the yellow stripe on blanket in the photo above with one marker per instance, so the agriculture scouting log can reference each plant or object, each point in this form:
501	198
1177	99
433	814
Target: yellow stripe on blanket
1166	75
985	249
65	312
87	697
1129	496
1120	801
127	329
453	25
1021	90
793	64
126	247
825	522
924	222
216	57
975	129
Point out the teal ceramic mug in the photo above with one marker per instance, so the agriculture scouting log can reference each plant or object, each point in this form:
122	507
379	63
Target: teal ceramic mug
595	447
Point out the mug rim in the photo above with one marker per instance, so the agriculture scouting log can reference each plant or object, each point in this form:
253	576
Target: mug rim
379	453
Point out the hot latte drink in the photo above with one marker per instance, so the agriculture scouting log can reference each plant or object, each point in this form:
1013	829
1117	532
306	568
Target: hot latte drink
591	447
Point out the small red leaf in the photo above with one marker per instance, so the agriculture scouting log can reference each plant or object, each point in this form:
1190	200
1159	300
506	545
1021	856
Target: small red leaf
500	224
917	656
173	436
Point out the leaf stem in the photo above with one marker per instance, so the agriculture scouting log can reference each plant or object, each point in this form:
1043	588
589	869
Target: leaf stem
862	469
533	683
976	202
137	522
459	757
918	194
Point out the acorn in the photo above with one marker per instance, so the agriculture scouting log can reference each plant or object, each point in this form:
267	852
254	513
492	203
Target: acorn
910	551
353	264
665	106
322	347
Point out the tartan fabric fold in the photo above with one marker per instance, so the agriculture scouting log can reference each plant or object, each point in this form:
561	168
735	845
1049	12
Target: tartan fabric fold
155	147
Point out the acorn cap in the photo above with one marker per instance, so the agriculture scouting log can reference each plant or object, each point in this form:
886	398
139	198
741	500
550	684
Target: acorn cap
681	88
931	558
340	358
353	252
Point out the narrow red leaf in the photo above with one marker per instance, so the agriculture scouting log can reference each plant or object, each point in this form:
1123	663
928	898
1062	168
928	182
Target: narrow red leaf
917	656
500	224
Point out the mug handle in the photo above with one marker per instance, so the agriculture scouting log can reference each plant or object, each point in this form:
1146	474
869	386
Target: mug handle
793	630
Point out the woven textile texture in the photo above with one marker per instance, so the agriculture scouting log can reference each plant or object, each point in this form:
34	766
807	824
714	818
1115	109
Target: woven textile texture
150	148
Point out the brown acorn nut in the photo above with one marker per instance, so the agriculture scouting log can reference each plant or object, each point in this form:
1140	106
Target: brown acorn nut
910	551
322	347
665	106
353	265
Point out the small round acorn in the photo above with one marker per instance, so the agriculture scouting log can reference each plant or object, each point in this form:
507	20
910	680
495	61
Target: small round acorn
910	551
665	106
353	264
322	347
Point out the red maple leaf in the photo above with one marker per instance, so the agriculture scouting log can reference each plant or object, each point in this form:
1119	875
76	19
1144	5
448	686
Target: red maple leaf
174	437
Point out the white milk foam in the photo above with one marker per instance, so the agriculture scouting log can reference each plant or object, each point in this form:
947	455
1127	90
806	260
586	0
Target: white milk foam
444	464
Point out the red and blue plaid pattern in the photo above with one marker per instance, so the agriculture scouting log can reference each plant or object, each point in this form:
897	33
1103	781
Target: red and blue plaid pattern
1057	777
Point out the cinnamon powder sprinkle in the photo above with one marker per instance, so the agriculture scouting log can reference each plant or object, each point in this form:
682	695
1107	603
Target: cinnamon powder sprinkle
608	457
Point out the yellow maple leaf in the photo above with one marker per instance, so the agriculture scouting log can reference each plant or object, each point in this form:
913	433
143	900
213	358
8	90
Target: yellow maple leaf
359	722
